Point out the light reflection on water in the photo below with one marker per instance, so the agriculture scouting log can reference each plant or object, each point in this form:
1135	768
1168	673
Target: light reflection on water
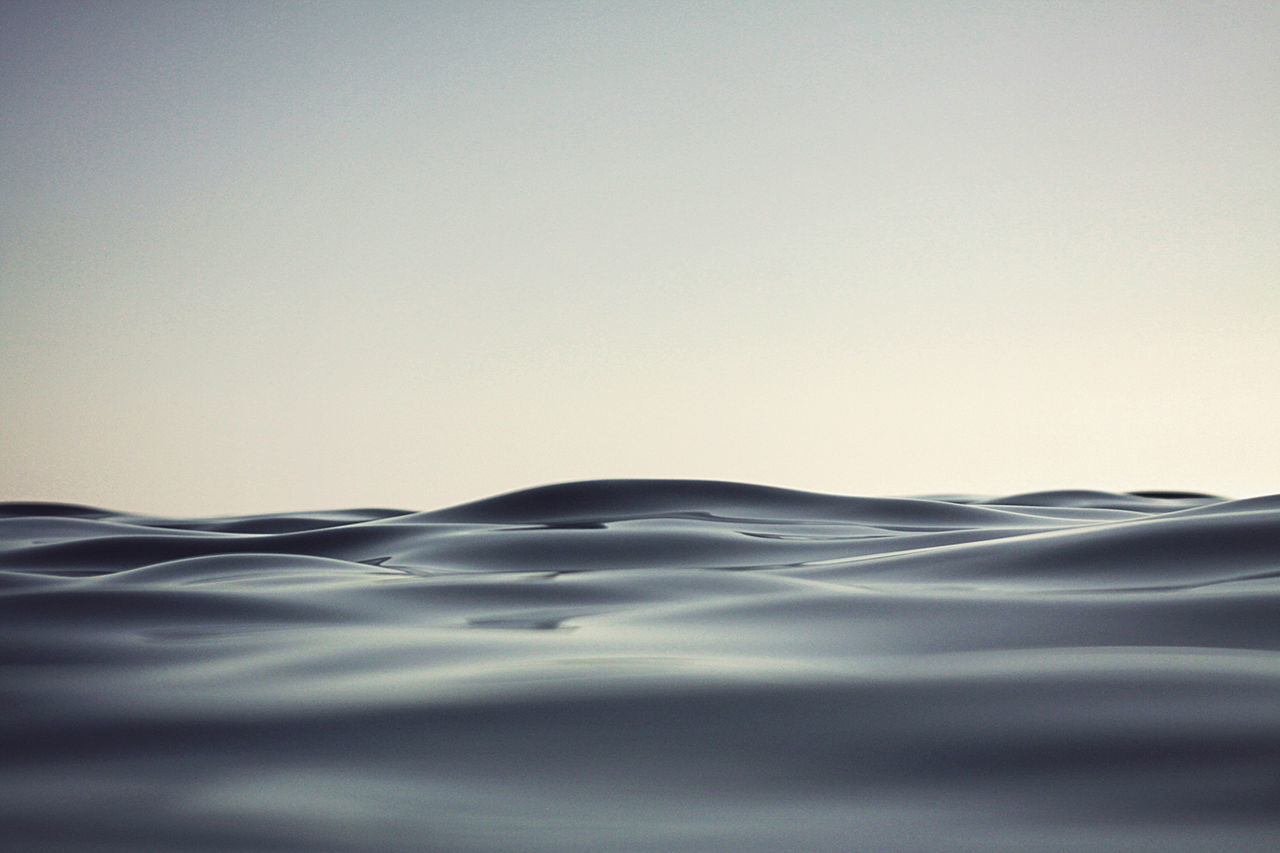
646	665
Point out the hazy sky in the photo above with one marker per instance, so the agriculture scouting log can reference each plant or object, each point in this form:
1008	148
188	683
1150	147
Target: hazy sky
268	256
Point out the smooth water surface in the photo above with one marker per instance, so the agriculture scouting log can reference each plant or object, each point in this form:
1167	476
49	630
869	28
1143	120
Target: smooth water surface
646	665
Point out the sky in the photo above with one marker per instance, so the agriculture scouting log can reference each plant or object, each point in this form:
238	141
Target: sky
261	257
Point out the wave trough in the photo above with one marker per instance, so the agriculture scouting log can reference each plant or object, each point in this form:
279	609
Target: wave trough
646	665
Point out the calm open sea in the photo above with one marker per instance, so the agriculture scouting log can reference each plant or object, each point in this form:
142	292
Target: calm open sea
646	665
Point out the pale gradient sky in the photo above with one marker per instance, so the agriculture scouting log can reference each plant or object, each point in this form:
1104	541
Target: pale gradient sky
258	257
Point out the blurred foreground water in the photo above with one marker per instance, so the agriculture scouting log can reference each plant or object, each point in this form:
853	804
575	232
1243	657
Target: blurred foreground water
646	665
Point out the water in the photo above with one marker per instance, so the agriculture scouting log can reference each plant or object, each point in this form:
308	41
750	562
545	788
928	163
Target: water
646	666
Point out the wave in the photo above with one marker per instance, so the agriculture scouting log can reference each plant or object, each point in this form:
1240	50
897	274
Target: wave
646	665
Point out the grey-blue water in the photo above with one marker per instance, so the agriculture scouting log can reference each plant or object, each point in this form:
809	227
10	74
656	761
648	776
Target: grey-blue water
646	666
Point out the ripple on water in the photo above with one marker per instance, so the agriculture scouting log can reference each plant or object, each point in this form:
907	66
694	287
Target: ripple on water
647	665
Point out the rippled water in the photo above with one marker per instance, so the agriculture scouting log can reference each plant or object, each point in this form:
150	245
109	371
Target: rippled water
646	666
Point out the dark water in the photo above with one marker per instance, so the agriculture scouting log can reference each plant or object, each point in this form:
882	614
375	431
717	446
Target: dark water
647	666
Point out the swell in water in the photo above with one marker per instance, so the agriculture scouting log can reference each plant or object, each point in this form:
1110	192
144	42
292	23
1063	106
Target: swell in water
646	665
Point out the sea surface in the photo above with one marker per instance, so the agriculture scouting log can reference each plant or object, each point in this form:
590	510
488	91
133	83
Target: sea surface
646	665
